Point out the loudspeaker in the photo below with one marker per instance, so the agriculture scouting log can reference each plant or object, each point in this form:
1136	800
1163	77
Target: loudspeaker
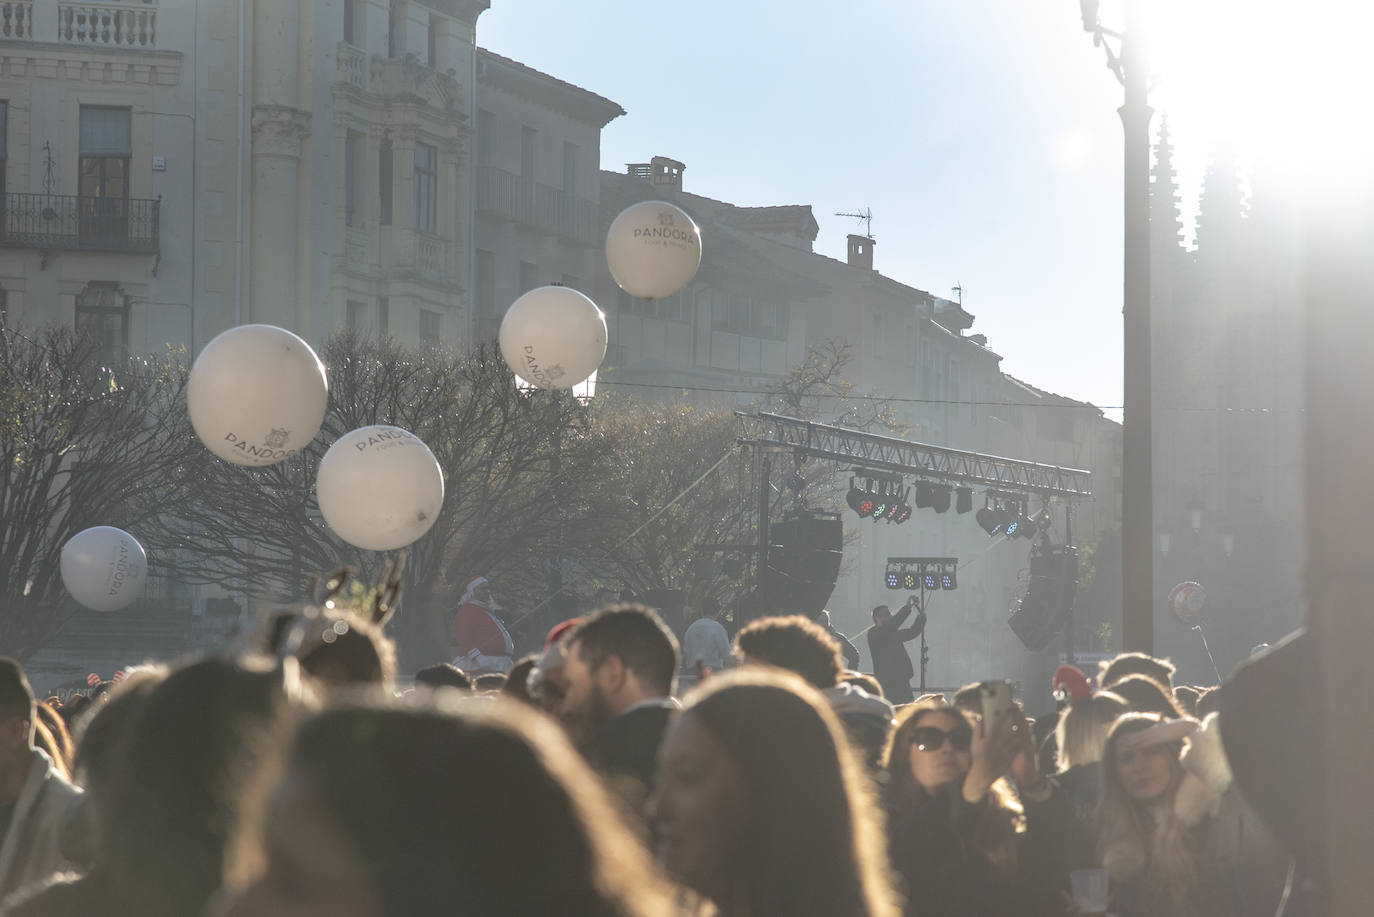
804	555
1049	596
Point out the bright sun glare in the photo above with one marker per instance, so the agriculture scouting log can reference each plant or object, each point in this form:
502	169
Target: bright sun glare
1284	83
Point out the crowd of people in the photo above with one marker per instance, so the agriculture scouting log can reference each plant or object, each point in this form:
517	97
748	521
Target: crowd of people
304	779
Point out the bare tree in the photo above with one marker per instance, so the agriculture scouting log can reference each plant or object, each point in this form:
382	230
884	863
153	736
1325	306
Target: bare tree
81	444
260	530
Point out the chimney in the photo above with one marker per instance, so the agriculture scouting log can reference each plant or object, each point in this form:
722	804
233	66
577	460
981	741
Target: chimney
666	173
860	252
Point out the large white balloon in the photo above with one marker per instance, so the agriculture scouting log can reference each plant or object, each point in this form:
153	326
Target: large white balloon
380	488
257	394
653	249
103	568
553	337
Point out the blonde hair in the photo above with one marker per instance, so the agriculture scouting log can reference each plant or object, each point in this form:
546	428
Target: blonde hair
1081	733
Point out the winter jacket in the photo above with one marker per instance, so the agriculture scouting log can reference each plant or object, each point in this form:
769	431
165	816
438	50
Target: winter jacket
32	850
891	664
940	872
476	628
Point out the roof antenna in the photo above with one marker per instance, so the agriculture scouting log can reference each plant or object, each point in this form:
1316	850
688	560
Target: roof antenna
958	290
867	216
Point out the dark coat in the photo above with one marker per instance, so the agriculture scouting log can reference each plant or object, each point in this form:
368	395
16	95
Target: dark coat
891	664
941	874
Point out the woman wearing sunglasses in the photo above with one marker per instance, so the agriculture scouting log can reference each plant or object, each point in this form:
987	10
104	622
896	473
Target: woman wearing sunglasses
961	841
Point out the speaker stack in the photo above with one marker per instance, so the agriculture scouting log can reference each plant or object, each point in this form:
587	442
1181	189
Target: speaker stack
1049	596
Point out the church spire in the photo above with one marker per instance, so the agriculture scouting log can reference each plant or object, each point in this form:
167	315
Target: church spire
1166	220
1220	206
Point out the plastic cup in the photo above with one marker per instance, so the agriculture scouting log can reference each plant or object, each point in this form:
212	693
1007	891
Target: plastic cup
1089	890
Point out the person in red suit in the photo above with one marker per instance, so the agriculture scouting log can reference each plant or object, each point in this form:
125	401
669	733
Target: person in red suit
484	645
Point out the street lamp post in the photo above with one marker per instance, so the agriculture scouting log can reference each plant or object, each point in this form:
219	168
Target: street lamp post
1137	503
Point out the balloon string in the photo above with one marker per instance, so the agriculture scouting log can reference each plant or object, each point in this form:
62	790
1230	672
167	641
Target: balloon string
1216	671
647	522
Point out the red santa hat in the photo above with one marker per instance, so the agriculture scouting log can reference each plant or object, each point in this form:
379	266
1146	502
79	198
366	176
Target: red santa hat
1071	684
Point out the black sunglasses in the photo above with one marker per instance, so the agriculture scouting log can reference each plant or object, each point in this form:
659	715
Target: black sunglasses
932	738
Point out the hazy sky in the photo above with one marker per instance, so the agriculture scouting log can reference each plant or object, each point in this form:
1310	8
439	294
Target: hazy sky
982	133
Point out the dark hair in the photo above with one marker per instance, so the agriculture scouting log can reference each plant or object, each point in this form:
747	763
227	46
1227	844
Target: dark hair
16	697
969	698
489	682
996	823
1145	695
518	679
443	675
822	857
637	636
862	680
191	745
345	649
391	779
1160	670
795	644
878	608
1209	702
1187	697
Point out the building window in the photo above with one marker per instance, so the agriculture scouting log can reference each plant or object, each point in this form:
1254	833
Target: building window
395	39
106	142
486	135
384	182
4	150
353	193
383	317
432	51
429	327
102	315
529	277
486	282
354	320
426	186
349	35
527	136
570	152
4	309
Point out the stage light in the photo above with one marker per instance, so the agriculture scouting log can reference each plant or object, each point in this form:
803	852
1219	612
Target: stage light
866	507
932	582
949	580
879	509
902	515
925	495
989	520
909	581
1011	525
893	580
963	500
940	501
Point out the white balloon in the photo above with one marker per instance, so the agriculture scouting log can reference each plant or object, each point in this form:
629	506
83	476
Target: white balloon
553	337
653	249
380	488
103	568
257	395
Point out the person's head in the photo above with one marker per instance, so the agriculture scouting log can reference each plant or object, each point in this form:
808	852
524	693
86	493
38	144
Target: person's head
517	684
616	658
1083	727
969	699
443	675
170	808
732	770
862	680
478	590
17	714
930	748
709	608
795	644
1123	664
1186	697
881	615
58	736
1145	695
489	683
410	810
1209	702
548	681
1141	757
346	650
867	720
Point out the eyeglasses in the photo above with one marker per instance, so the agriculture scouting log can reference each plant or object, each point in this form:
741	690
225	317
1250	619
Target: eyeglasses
932	738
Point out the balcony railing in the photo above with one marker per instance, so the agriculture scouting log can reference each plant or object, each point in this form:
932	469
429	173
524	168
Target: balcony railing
122	25
553	210
16	19
67	222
